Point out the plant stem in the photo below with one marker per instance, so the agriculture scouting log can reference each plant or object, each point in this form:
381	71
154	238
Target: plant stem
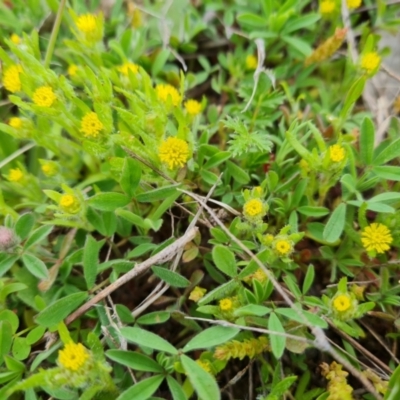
54	34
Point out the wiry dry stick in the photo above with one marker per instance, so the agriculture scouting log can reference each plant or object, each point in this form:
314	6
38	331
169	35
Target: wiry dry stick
164	255
320	342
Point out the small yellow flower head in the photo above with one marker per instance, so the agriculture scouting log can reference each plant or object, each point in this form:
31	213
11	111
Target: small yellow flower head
73	356
197	293
72	70
49	169
251	62
353	4
225	304
254	209
370	61
267	239
336	153
15	122
86	23
69	204
174	152
165	91
193	107
283	247
128	66
327	7
91	125
11	78
260	276
205	364
376	237
341	302
44	96
15	175
15	38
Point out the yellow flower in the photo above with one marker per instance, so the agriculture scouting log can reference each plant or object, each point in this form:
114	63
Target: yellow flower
73	356
251	62
327	7
174	152
15	122
11	78
15	175
197	293
193	107
225	304
69	204
254	208
49	169
44	96
376	237
86	23
15	38
283	247
370	61
72	70
342	302
352	4
128	66
336	153
165	91
91	125
260	275
205	364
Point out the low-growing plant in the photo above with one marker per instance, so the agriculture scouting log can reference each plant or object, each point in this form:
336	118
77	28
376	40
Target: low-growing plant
194	196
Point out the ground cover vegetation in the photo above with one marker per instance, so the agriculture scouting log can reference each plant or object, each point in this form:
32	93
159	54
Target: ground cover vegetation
196	201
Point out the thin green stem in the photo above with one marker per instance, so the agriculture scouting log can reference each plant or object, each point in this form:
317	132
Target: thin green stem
54	34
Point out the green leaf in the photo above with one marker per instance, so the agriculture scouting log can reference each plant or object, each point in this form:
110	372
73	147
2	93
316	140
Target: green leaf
354	93
175	389
393	392
134	360
24	225
388	153
311	211
308	279
211	337
12	318
300	45
389	172
37	236
35	266
367	137
224	259
35	334
277	341
156	317
170	277
60	309
157	194
217	159
237	173
306	21
387	196
204	384
130	176
6	262
335	224
132	218
252	309
91	260
148	339
252	20
219	292
142	390
6	337
297	316
20	348
282	386
108	201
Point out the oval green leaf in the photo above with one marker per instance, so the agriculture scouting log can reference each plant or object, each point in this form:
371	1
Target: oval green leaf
224	259
335	224
134	360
